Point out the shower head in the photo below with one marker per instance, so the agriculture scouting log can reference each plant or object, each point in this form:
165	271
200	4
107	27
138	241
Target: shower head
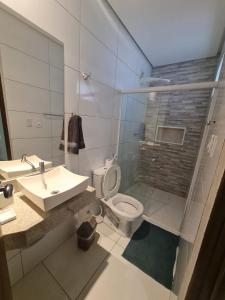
154	80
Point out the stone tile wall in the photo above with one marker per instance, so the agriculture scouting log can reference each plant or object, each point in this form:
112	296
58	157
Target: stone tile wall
167	166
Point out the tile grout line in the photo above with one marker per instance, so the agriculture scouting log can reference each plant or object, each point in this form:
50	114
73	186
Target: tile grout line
31	85
104	259
92	276
114	53
107	235
164	227
57	282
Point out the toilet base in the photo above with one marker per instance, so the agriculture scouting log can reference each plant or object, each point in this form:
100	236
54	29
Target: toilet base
123	228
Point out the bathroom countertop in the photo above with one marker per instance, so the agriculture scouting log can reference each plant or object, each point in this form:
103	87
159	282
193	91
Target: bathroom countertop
31	223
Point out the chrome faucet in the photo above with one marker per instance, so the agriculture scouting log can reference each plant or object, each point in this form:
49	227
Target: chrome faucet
42	167
24	159
42	171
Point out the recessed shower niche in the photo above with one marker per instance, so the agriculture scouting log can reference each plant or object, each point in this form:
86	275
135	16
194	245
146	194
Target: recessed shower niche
170	135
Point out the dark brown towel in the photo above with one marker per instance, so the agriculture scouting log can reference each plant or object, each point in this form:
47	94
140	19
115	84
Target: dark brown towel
75	139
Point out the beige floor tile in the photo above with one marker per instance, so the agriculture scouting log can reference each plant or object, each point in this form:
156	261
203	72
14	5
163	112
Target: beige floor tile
117	252
36	285
141	192
73	267
173	297
115	280
123	242
153	207
108	232
33	255
105	243
15	269
161	196
177	202
167	218
11	253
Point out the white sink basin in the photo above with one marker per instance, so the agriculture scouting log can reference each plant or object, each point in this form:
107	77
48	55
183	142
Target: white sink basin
52	188
13	168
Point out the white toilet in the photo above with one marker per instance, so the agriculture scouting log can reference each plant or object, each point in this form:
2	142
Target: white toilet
122	211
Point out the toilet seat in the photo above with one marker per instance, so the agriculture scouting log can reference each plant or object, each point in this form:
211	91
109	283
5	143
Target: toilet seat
125	206
111	181
122	212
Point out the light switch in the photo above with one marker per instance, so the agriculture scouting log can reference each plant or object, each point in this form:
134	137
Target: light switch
38	124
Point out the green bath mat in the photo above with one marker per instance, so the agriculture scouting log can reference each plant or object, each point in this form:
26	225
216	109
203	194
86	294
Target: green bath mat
153	250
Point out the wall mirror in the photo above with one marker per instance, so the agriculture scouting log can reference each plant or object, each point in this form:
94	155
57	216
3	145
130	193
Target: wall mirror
31	92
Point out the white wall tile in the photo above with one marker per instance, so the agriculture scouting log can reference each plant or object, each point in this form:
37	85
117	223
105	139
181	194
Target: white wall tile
58	160
97	132
73	6
22	97
96	99
122	131
135	110
67	30
143	67
55	147
57	125
56	80
57	103
56	18
71	90
39	146
117	109
71	162
125	77
99	20
56	54
17	34
91	159
19	129
115	131
127	50
96	59
20	67
123	106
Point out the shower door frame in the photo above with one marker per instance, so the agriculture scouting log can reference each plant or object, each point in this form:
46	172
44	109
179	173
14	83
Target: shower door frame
208	278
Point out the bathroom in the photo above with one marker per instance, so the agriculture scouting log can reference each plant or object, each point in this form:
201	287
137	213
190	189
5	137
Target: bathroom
150	108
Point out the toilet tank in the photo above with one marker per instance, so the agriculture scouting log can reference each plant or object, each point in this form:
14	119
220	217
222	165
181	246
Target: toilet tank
98	176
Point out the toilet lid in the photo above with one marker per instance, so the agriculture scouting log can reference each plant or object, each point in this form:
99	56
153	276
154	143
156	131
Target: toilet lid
111	181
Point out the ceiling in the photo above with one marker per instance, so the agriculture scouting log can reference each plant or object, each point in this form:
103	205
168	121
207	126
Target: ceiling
170	31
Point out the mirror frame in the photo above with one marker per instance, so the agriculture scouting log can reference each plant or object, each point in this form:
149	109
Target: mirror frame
4	121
